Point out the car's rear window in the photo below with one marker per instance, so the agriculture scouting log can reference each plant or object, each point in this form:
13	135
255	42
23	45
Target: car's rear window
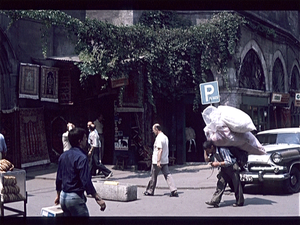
286	138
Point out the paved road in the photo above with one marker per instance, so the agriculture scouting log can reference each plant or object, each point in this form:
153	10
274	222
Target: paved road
196	184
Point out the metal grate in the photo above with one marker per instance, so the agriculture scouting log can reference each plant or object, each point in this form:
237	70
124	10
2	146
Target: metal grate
278	77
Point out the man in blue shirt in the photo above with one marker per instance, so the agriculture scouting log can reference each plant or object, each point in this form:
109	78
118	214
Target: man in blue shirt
222	158
3	147
73	177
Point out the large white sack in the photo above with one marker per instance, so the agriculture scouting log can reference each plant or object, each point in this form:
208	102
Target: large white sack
236	119
245	141
228	126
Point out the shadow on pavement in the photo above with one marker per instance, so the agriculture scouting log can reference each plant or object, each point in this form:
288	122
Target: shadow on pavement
32	172
250	201
266	189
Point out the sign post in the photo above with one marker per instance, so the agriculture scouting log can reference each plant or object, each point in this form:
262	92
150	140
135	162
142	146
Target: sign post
209	92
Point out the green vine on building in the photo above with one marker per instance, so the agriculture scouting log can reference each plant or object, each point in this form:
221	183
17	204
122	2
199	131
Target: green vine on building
171	54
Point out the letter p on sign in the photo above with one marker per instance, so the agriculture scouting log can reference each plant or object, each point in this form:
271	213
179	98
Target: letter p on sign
209	92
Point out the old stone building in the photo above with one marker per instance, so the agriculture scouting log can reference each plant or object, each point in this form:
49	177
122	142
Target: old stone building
265	84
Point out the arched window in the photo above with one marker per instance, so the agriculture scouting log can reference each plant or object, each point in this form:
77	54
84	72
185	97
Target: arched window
295	79
278	77
251	74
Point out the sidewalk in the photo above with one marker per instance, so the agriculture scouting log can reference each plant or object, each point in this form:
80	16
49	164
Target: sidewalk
187	176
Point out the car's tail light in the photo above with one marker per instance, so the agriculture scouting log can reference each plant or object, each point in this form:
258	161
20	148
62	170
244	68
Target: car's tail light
276	157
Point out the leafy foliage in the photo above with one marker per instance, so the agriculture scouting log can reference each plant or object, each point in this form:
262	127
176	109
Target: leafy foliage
163	19
172	56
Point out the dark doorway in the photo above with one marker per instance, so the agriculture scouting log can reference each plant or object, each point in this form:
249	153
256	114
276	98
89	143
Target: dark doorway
58	126
194	120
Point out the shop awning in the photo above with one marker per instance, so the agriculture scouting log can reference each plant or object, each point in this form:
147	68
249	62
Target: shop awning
73	58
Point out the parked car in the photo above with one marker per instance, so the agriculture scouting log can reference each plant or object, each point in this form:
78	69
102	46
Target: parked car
281	163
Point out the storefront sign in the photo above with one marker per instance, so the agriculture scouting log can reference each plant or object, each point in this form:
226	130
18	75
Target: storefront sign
282	98
122	144
119	82
297	99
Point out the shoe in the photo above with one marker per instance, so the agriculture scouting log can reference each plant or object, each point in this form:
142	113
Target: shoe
237	205
147	194
216	205
109	176
174	194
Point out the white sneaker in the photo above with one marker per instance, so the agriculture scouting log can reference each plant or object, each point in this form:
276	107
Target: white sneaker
109	176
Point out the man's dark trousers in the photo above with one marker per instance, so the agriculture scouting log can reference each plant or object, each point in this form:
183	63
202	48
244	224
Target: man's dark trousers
225	175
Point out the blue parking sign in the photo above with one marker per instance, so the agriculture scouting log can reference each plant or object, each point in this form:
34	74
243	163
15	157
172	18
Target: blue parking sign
209	92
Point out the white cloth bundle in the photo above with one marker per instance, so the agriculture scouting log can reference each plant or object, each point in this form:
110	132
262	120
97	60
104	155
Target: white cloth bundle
229	126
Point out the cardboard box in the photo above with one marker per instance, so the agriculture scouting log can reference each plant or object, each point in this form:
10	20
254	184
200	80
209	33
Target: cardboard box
52	211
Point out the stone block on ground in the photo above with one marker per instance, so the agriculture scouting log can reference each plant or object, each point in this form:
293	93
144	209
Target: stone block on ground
111	190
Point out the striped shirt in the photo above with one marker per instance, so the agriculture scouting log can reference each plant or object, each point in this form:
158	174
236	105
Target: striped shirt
223	155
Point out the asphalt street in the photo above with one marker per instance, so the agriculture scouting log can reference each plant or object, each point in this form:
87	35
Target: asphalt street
196	183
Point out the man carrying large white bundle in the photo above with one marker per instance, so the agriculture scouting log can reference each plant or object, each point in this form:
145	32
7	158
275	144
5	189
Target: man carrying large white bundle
229	172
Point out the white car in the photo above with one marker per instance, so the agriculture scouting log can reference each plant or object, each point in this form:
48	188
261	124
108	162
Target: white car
280	164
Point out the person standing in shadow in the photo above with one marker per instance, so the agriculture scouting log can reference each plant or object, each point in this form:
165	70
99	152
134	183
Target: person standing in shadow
93	153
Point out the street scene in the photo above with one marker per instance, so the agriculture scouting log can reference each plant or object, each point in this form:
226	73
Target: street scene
150	113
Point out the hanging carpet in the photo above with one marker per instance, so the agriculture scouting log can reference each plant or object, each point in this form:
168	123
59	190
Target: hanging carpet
33	143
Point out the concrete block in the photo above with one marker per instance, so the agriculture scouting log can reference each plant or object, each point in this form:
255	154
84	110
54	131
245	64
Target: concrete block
110	190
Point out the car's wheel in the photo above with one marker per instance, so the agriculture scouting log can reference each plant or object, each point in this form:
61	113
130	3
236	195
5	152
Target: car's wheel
292	185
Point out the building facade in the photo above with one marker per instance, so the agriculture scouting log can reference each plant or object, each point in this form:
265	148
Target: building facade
265	84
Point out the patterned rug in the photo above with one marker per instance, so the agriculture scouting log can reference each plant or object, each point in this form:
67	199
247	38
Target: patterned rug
64	87
49	84
29	81
33	143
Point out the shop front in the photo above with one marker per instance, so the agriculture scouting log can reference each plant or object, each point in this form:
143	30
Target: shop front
280	111
127	136
295	110
258	108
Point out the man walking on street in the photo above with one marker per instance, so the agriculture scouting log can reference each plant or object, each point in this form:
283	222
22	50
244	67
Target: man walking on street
222	158
160	161
74	177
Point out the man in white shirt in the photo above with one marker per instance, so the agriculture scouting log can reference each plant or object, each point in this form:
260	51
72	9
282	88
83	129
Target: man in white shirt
160	161
190	138
93	140
99	127
65	138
